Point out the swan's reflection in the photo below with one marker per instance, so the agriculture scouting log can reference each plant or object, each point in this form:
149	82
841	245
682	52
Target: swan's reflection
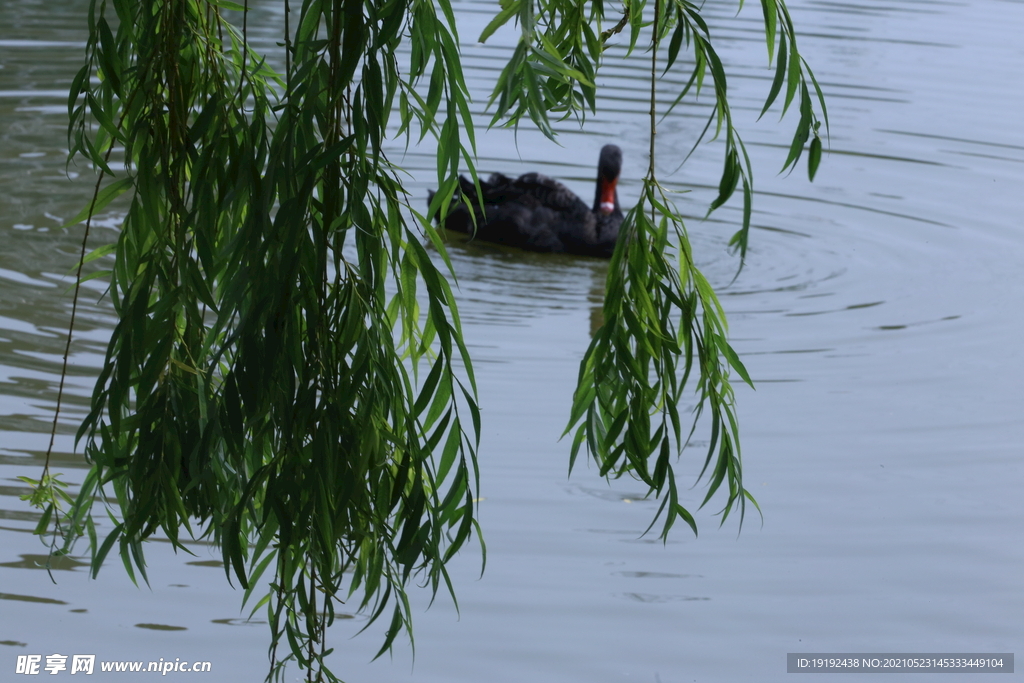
498	285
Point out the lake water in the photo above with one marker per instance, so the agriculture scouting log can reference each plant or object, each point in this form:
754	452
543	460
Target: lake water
879	314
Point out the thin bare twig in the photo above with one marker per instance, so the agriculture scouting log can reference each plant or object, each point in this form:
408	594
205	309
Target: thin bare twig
605	35
71	328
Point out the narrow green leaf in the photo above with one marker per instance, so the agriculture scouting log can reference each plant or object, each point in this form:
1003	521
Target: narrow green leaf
814	158
780	74
103	198
770	23
502	18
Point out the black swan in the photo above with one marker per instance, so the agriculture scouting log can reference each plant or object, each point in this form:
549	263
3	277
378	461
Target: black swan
537	213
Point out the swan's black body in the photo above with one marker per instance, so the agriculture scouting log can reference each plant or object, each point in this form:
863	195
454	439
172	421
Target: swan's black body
537	213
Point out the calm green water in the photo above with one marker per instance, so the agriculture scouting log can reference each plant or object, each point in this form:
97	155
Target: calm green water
879	313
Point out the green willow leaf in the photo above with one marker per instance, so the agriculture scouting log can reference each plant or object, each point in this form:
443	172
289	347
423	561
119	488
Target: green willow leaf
510	10
771	17
814	158
780	76
103	198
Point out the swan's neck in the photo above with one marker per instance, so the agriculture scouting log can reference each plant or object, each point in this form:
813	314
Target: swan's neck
606	198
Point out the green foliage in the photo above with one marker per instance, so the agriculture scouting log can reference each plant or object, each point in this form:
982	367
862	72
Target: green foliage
626	407
257	388
275	304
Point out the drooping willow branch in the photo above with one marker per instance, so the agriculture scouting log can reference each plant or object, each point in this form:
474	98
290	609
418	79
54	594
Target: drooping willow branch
663	322
255	389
